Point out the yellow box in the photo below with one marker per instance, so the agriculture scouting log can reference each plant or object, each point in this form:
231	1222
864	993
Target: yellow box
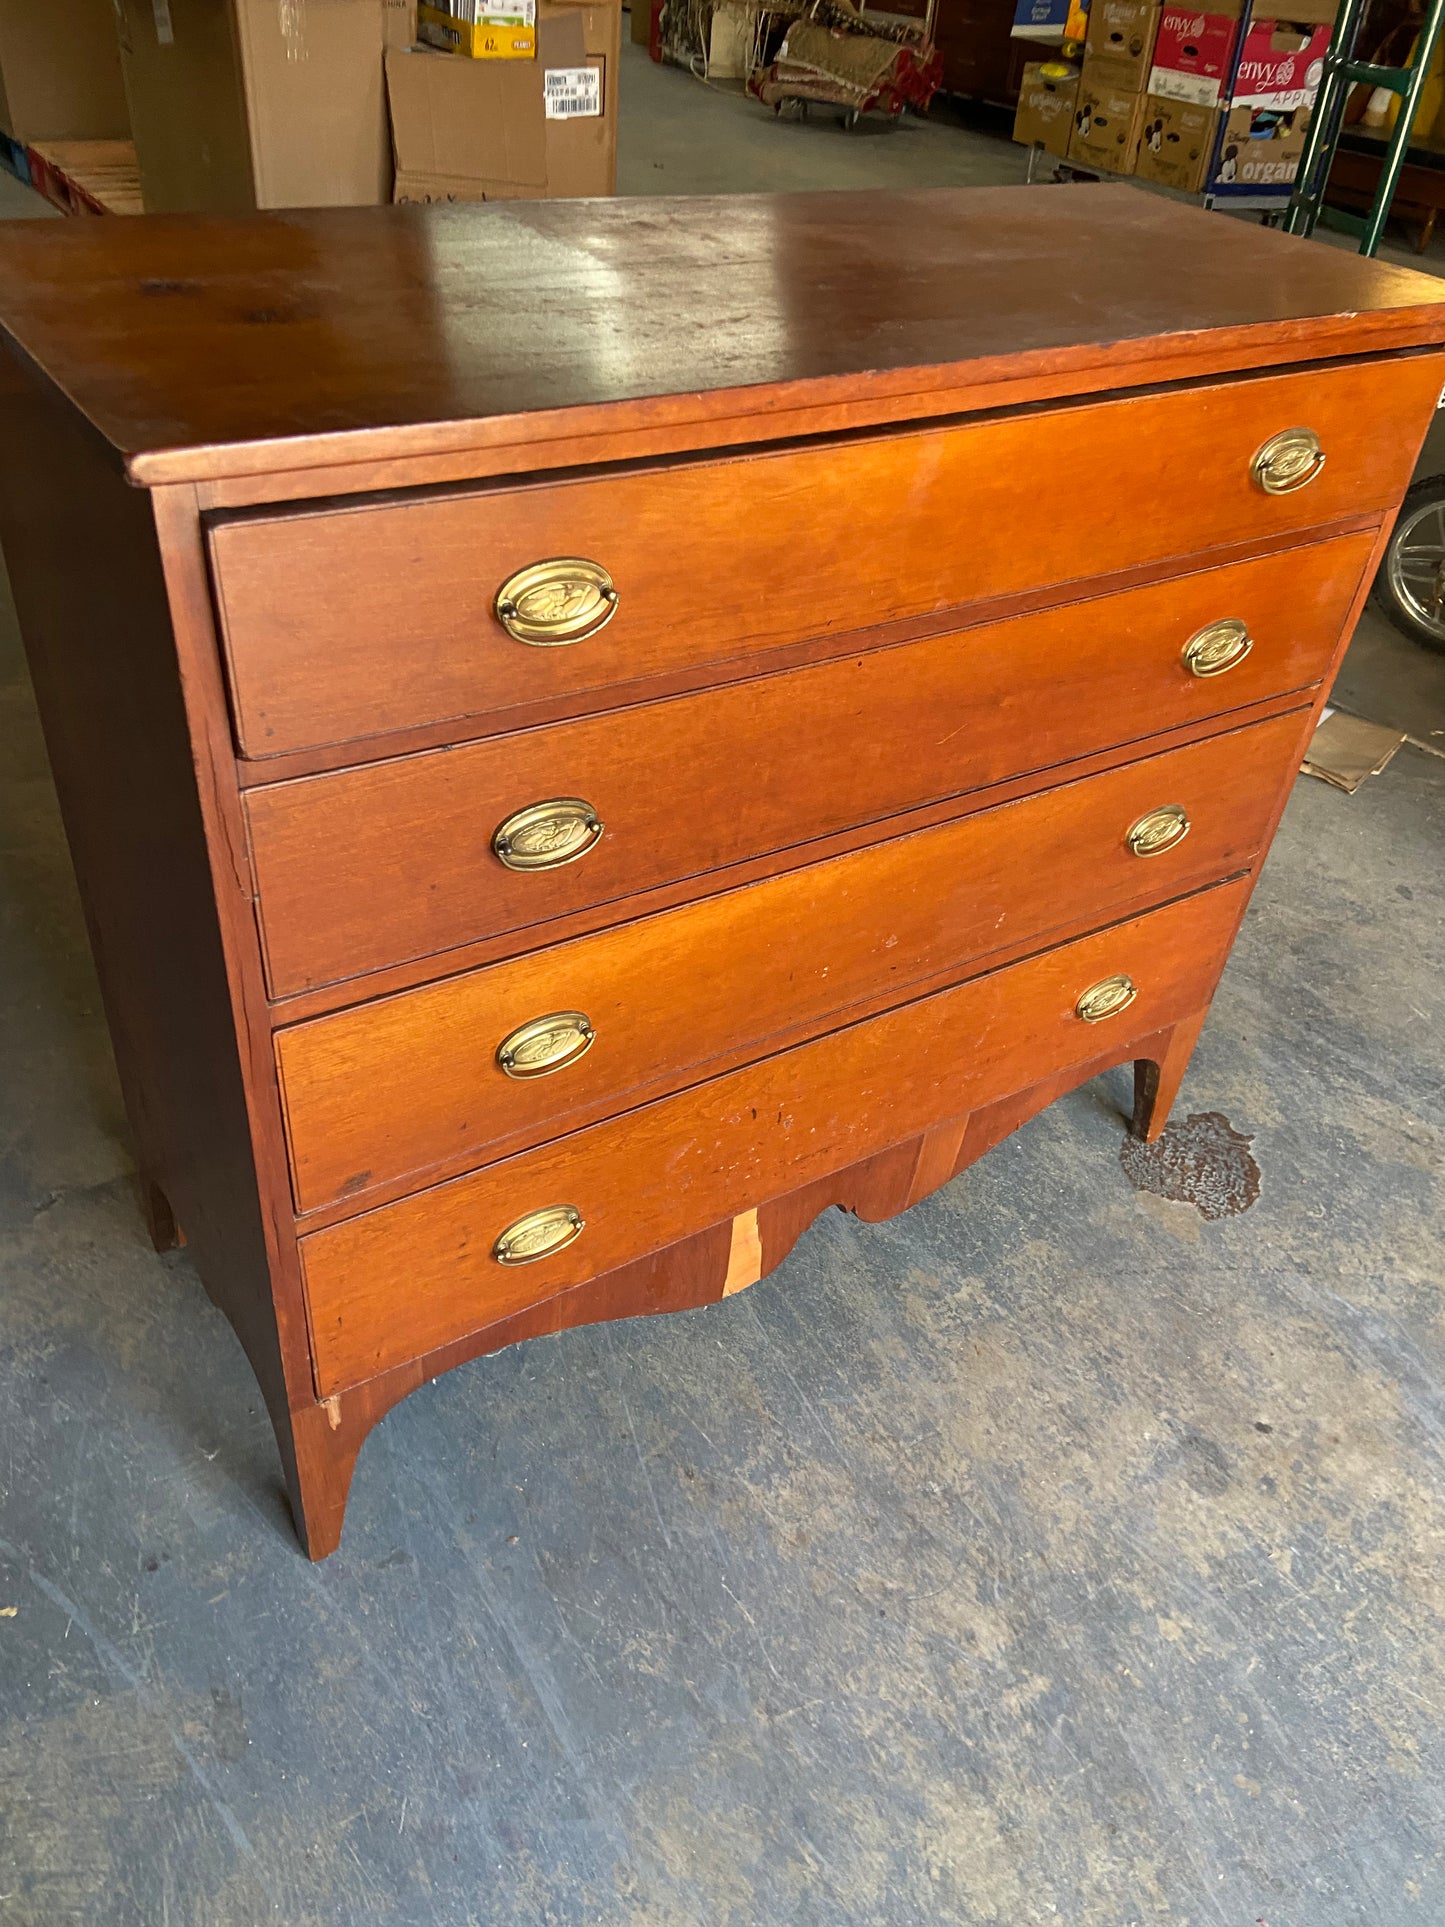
483	29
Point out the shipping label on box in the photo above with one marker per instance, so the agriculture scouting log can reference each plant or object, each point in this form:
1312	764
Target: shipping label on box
1193	56
1046	109
571	93
484	29
1261	148
1121	32
1107	123
1281	64
1177	143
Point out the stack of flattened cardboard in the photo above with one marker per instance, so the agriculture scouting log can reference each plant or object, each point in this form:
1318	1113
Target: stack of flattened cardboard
508	129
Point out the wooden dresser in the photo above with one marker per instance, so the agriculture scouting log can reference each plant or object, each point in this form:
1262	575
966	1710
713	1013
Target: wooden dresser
593	731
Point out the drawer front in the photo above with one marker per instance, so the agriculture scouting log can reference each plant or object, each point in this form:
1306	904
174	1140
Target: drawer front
401	1281
415	1086
347	624
376	866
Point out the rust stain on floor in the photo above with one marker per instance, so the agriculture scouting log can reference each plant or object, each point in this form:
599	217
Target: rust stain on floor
1204	1162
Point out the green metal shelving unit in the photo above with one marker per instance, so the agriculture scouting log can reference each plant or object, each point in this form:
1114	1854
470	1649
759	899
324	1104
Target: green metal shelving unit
1342	72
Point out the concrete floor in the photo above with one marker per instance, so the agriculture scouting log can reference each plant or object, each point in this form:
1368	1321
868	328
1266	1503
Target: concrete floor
1054	1554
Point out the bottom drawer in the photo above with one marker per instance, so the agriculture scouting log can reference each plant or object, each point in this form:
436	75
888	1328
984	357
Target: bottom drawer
403	1280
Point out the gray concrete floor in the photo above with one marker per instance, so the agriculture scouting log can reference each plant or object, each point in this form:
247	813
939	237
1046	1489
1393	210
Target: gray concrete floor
1051	1555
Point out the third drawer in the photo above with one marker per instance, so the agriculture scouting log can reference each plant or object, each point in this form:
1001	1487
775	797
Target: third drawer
392	862
411	1087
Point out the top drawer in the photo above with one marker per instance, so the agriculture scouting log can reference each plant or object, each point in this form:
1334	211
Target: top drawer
348	623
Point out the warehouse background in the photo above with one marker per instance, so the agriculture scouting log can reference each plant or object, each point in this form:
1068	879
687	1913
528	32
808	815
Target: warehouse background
1061	1551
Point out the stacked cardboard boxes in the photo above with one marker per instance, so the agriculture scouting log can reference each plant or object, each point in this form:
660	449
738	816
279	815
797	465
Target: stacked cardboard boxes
241	104
503	128
1193	99
1047	98
1109	116
1280	67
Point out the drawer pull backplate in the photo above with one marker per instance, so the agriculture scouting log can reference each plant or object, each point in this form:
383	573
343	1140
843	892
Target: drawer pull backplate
544	836
1289	460
1220	646
1160	830
539	1235
1106	999
545	1045
550	603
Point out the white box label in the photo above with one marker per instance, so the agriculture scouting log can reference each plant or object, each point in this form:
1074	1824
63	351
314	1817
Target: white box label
572	93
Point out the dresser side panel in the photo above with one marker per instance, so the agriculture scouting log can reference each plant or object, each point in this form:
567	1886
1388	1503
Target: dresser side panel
90	589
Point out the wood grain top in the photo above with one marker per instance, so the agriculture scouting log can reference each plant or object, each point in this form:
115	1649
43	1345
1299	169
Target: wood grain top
205	347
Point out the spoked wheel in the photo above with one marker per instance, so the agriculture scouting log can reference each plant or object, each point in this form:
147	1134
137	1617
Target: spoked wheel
1410	587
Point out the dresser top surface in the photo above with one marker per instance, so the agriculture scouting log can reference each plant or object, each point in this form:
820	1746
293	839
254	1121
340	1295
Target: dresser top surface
209	346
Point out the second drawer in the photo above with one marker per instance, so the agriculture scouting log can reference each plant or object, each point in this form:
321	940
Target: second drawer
411	1087
393	862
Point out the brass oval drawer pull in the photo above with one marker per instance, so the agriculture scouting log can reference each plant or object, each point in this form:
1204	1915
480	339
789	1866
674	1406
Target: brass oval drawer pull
1160	830
545	1045
563	600
539	1235
1106	999
1289	460
1217	647
544	836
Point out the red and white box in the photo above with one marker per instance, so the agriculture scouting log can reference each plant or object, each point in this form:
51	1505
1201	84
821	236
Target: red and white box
1281	64
1193	56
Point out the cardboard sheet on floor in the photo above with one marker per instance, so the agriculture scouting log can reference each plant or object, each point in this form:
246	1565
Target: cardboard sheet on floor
1344	750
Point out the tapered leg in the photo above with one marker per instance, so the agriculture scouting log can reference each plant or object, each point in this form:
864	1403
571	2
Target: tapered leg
1157	1081
318	1454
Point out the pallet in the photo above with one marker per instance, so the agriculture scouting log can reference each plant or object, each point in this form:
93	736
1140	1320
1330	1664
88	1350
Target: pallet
87	177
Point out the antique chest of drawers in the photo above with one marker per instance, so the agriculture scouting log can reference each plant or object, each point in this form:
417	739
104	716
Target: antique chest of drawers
590	732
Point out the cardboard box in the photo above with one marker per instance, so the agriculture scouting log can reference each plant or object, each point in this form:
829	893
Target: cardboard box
1107	125
1261	147
482	130
641	23
1176	146
1318	13
1046	108
1120	45
1193	56
240	104
1281	63
483	29
399	22
60	75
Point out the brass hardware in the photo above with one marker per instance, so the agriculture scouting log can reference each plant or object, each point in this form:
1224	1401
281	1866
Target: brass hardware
544	836
1217	647
539	1235
1289	460
1160	830
564	600
545	1045
1106	999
